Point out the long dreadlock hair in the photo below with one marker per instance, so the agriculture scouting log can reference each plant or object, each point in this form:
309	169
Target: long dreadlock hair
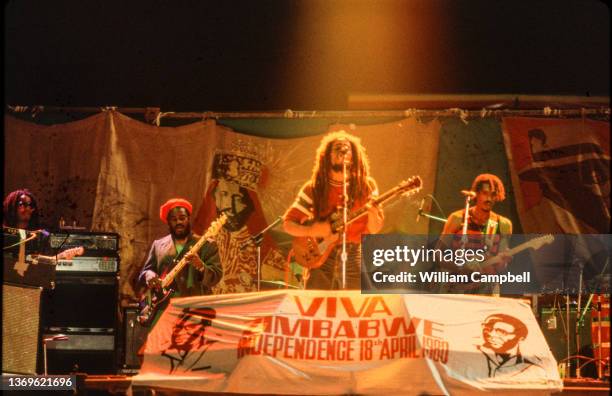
358	180
9	207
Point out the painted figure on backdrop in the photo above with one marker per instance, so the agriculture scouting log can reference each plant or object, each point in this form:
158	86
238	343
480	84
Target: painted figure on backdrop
322	196
485	230
575	177
233	191
198	277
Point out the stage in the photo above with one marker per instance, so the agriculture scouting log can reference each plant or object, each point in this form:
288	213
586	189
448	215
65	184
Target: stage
120	385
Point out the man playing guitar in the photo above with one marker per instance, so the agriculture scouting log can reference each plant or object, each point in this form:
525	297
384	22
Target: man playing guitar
322	196
485	229
194	279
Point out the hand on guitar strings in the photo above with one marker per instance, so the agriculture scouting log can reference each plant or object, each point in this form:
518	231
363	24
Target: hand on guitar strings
196	261
154	282
504	260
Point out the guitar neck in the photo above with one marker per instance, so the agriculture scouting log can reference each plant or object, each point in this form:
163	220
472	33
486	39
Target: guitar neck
363	210
519	248
65	255
169	278
212	230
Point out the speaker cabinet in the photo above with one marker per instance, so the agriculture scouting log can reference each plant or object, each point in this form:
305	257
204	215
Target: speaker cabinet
554	324
20	328
81	301
82	352
84	307
135	336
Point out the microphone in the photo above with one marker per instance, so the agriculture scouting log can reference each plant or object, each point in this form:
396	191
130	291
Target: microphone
468	193
420	212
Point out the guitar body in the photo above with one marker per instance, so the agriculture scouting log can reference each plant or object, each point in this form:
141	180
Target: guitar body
313	252
152	302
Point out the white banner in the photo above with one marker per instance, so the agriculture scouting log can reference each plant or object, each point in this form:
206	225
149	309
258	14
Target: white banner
321	342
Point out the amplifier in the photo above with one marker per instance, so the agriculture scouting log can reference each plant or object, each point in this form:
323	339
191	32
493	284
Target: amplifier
81	301
20	328
134	337
89	350
95	243
82	339
89	264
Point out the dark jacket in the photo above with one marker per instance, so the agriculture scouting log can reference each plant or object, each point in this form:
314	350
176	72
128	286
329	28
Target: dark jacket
161	260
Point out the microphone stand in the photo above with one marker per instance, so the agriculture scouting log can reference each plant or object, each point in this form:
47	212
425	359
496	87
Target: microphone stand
466	217
430	216
343	256
257	239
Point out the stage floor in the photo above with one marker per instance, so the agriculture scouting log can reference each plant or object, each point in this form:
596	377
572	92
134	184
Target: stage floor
119	385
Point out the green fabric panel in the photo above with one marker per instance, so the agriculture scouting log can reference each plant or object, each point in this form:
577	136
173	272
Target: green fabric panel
284	128
465	151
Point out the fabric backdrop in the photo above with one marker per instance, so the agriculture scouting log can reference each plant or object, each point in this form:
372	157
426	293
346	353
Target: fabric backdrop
111	173
561	171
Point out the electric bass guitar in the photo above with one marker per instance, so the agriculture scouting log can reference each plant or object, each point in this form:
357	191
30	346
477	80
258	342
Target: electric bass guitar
312	252
155	298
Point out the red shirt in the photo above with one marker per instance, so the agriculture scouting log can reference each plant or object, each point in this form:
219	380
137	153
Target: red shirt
302	210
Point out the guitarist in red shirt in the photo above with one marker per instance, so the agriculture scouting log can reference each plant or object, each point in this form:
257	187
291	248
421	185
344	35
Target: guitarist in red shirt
321	199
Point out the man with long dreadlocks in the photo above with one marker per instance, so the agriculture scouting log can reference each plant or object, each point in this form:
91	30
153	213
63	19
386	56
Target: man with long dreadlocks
323	195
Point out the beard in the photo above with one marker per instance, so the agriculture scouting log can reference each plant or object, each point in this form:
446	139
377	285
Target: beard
182	232
339	167
236	221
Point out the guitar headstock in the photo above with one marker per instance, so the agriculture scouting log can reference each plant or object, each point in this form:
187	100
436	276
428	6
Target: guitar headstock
71	253
410	186
216	226
538	242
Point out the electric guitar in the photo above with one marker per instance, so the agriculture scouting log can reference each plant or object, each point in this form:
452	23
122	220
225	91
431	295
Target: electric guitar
535	244
67	254
155	298
312	252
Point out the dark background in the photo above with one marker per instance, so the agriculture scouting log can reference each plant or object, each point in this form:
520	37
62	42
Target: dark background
309	54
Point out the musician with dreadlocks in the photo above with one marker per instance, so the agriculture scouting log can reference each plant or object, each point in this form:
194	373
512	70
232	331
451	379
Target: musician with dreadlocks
20	211
320	197
485	230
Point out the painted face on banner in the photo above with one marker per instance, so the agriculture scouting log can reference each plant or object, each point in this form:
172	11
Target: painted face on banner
189	329
500	337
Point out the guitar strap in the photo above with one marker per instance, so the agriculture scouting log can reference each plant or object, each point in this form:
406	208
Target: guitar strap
491	229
